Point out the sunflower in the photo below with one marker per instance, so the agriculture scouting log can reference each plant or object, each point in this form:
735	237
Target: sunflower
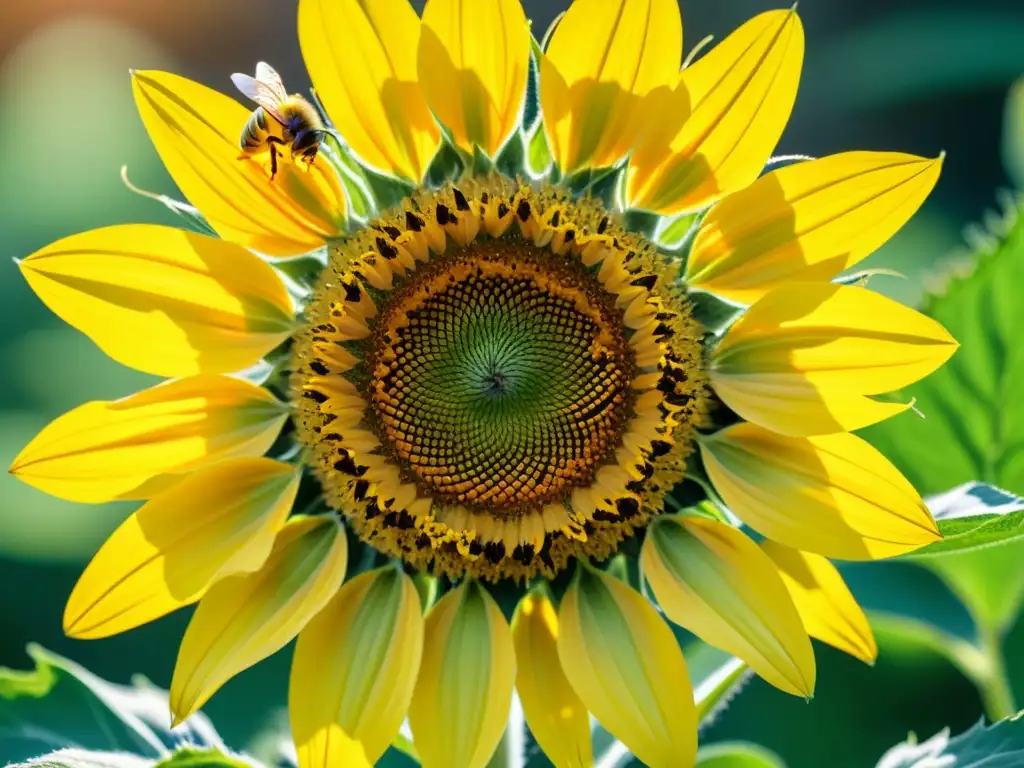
542	324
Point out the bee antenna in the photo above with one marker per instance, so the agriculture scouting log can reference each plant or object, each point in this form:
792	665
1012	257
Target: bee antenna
137	190
336	136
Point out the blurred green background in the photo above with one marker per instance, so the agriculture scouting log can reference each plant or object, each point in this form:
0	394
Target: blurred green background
912	75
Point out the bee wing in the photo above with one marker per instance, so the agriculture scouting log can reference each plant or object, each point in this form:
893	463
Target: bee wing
267	75
260	92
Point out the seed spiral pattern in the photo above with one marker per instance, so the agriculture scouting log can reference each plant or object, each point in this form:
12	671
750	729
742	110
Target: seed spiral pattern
501	384
494	379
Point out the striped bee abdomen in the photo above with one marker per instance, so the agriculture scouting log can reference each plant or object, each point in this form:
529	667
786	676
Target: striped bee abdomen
254	133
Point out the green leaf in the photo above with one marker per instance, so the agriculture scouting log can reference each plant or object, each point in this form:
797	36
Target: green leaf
60	705
737	754
979	556
973	416
901	633
973	428
973	516
193	757
82	758
185	757
995	746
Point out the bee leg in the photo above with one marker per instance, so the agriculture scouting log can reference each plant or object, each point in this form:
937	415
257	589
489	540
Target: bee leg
306	144
274	143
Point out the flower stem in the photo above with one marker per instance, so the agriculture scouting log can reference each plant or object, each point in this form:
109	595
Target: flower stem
996	693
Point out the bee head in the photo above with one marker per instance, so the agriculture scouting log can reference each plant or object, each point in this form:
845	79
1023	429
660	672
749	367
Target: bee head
306	144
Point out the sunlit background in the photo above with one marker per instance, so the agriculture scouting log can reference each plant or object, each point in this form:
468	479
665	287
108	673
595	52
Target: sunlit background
919	76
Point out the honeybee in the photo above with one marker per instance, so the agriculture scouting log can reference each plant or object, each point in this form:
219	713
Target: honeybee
280	120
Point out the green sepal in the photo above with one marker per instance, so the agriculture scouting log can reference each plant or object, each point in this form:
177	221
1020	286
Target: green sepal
618	568
641	222
388	191
480	164
531	103
448	164
352	175
539	161
302	272
714	313
369	192
511	159
427	587
672	234
550	31
194	220
597	183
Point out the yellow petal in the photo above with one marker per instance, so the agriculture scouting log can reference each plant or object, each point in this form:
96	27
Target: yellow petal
605	56
464	690
354	669
197	132
474	56
826	607
803	359
361	56
623	661
555	714
834	495
712	579
807	221
244	619
717	129
162	300
216	522
139	445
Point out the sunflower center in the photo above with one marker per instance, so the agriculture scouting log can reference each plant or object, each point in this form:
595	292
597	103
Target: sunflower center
500	382
495	379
